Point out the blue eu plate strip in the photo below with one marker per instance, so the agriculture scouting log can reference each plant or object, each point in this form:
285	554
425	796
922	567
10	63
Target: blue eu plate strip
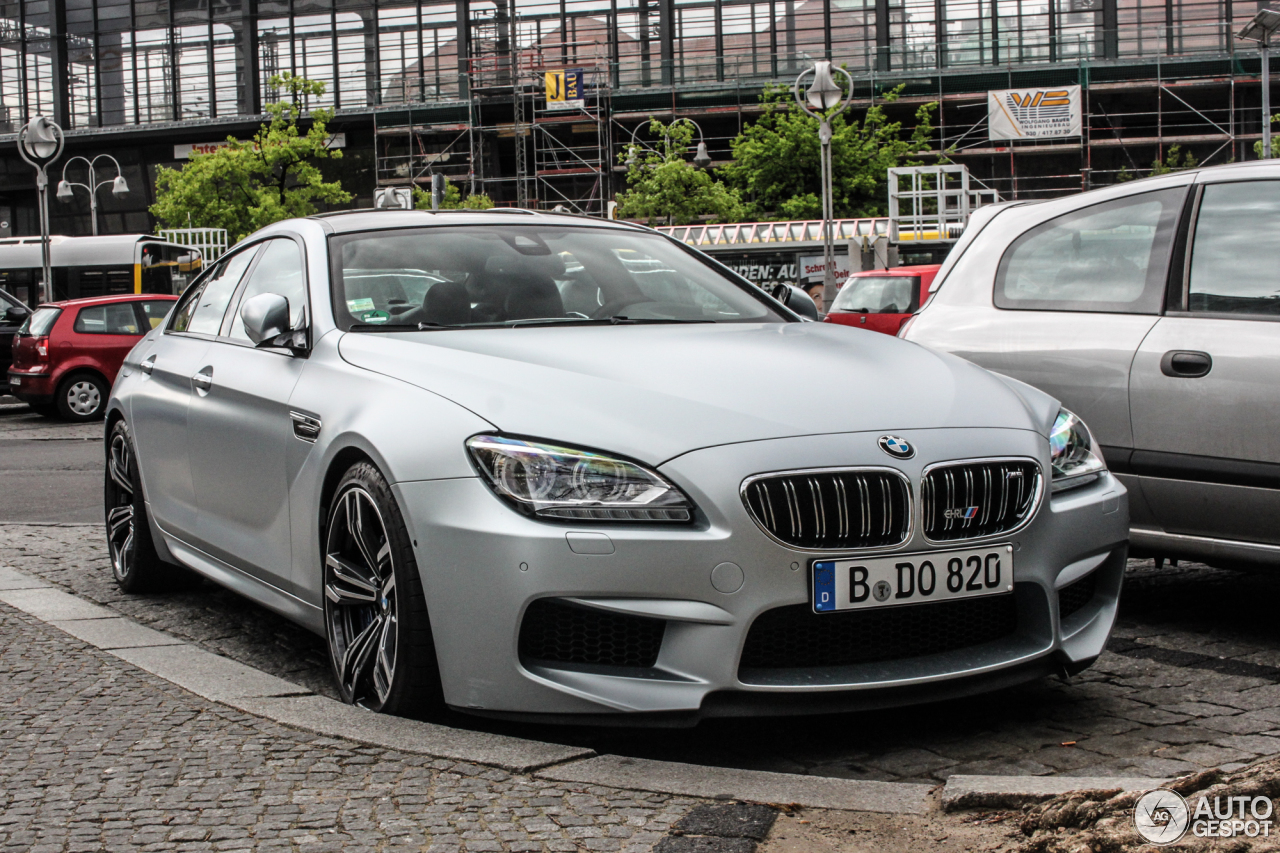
824	586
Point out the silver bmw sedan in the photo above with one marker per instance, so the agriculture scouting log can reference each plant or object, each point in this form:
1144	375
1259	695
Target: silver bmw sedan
565	469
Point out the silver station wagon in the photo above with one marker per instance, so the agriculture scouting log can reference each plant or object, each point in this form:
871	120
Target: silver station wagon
1152	310
567	469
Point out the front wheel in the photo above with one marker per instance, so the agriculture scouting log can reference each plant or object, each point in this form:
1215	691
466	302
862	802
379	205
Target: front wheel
136	565
376	621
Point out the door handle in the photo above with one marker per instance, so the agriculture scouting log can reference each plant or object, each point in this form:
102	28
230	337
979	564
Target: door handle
1186	364
203	380
148	364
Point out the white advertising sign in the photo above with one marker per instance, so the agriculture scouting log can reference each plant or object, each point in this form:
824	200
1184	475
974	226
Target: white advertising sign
1033	113
813	266
184	151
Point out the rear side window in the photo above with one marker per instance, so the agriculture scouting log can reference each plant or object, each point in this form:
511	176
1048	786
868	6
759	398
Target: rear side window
879	294
118	319
1235	258
201	309
154	312
1111	257
39	323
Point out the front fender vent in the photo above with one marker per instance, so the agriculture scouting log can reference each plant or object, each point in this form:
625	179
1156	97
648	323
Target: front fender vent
832	508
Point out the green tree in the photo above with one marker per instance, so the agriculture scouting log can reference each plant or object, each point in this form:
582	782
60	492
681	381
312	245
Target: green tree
247	185
1257	146
665	188
453	199
1176	160
776	164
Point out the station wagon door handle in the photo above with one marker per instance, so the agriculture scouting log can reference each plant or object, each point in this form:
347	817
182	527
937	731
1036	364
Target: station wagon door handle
203	380
1186	364
148	364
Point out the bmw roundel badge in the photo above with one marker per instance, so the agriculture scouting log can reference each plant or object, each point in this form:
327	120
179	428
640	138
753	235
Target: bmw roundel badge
898	448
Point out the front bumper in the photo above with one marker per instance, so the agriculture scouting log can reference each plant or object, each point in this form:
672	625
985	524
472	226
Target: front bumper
482	565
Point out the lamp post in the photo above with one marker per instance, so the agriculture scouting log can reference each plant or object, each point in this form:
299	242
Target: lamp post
119	188
40	143
701	156
1261	29
825	94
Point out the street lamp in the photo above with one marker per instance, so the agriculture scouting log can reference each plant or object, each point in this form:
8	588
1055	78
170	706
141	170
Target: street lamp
1261	29
825	95
701	156
40	143
119	188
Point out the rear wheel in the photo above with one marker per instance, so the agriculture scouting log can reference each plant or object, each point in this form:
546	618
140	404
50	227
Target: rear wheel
82	397
376	621
134	561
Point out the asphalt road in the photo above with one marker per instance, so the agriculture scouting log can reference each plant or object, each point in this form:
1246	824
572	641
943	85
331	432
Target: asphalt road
48	477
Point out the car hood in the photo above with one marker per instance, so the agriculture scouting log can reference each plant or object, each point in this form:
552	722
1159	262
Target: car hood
655	392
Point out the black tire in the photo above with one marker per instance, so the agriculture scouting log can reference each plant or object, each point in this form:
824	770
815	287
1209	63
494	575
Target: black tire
82	397
136	565
375	613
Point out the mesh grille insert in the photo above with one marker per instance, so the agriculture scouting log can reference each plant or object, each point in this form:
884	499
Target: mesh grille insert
976	499
794	637
1075	595
556	632
832	509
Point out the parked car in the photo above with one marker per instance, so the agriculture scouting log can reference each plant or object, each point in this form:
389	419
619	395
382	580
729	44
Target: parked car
12	315
1150	309
635	506
882	300
66	354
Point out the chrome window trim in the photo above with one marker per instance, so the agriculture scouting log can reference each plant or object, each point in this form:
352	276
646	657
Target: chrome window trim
983	460
853	469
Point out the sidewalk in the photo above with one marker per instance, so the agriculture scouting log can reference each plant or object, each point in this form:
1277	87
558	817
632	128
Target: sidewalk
97	755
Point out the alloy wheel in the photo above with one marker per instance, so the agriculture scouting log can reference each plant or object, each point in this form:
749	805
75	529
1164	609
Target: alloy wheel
84	398
360	599
121	514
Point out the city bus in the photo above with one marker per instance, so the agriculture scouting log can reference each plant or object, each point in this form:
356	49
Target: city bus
96	266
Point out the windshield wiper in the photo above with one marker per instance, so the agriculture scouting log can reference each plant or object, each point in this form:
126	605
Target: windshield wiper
616	320
398	327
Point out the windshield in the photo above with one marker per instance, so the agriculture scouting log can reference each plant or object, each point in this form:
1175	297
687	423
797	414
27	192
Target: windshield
39	323
473	276
879	294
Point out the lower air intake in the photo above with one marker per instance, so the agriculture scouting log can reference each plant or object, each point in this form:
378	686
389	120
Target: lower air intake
1073	597
557	632
795	637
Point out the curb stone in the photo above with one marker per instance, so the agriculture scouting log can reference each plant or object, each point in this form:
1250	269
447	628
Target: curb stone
1012	792
247	689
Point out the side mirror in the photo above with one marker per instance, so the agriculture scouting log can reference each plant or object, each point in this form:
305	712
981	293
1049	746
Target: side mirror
798	301
266	317
16	315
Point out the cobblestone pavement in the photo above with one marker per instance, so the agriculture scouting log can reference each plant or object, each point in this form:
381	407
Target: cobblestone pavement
1192	680
98	756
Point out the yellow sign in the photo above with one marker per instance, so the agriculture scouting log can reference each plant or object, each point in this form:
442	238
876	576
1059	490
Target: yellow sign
555	86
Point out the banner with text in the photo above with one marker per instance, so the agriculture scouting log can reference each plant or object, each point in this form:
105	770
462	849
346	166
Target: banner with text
1033	113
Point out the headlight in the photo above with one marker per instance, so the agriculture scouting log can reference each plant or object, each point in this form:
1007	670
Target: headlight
549	481
1071	453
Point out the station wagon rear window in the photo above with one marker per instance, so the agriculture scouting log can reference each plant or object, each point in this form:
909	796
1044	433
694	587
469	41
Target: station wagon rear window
1109	257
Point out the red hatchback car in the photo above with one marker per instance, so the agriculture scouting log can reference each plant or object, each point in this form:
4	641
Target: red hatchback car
66	355
882	300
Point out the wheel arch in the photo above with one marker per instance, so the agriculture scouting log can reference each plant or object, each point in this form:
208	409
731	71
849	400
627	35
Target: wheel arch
339	464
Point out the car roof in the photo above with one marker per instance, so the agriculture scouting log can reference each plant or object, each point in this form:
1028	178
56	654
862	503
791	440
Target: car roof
107	300
915	269
349	221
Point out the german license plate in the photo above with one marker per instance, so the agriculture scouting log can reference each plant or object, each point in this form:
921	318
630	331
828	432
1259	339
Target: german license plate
15	382
855	584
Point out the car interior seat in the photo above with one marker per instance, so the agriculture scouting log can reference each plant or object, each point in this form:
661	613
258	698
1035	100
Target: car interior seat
534	297
446	304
